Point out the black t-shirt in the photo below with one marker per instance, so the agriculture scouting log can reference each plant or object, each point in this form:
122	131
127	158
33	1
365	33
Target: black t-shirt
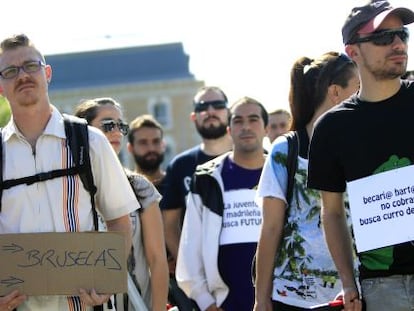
176	183
358	139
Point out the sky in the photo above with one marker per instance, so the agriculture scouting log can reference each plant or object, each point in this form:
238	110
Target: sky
245	47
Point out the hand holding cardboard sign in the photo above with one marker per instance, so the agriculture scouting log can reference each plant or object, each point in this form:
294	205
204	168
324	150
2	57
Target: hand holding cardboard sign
12	300
92	298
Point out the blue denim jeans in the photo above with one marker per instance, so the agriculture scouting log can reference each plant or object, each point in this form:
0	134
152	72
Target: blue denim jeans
394	293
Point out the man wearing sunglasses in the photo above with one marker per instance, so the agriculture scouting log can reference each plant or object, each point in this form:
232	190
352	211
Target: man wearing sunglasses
352	149
210	117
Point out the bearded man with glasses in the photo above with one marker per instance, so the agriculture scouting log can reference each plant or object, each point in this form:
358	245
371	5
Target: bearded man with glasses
353	150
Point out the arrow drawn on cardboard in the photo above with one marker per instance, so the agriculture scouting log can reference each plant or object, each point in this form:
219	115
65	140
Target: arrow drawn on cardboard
14	248
11	281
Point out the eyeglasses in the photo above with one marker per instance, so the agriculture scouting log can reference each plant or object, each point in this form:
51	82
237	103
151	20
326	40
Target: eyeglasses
28	67
109	126
203	105
385	37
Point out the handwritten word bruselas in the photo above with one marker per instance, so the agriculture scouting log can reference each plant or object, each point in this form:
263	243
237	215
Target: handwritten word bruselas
106	258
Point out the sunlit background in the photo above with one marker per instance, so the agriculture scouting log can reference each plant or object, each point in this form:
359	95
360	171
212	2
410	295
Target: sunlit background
245	47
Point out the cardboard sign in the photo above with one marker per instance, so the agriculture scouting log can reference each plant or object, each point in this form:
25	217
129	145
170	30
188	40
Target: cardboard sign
242	217
382	208
62	263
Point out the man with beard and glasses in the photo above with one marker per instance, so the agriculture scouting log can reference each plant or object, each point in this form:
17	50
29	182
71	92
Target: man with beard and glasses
147	147
210	117
353	149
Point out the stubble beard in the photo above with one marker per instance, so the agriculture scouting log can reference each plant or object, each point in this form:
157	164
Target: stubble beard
386	73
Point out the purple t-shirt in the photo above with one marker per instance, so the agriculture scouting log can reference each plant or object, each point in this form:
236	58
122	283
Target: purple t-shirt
235	260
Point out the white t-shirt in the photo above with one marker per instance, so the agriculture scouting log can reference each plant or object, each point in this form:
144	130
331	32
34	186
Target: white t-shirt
147	195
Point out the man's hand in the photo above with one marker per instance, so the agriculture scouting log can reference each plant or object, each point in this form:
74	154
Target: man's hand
12	300
265	306
213	307
171	264
92	298
351	299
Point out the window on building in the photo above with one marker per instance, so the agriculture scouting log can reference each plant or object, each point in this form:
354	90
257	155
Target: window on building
160	108
170	150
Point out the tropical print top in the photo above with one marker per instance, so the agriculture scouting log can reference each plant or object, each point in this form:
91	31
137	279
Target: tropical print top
304	273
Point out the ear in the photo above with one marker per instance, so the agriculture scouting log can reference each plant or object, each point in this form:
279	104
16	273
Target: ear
352	51
163	145
193	116
48	70
333	93
267	128
129	147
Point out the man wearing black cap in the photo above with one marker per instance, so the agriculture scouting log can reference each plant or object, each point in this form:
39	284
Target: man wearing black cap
210	117
352	148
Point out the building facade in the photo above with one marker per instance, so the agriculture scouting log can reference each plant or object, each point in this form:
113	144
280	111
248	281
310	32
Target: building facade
145	80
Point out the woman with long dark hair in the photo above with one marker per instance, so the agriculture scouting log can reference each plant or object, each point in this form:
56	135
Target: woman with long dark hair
294	270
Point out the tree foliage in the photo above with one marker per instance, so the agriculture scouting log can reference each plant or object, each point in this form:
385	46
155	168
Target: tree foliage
4	111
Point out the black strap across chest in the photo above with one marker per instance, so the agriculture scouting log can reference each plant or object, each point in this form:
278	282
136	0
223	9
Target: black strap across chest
76	131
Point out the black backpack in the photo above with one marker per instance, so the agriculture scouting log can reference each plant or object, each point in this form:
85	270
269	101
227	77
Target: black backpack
291	162
76	130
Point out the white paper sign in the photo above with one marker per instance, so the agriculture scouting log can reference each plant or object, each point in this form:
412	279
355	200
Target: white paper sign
382	208
242	217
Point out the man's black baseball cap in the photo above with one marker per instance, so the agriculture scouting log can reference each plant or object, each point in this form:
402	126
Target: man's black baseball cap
366	19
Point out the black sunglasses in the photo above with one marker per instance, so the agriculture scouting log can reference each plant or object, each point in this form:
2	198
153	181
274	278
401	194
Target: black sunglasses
385	37
203	105
109	126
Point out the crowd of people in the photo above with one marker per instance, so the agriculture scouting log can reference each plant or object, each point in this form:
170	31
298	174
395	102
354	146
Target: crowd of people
235	223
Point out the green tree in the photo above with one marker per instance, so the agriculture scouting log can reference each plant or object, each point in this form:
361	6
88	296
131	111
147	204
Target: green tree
4	111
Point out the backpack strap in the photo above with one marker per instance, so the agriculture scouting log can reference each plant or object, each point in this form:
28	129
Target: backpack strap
78	141
77	135
29	180
76	130
291	163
